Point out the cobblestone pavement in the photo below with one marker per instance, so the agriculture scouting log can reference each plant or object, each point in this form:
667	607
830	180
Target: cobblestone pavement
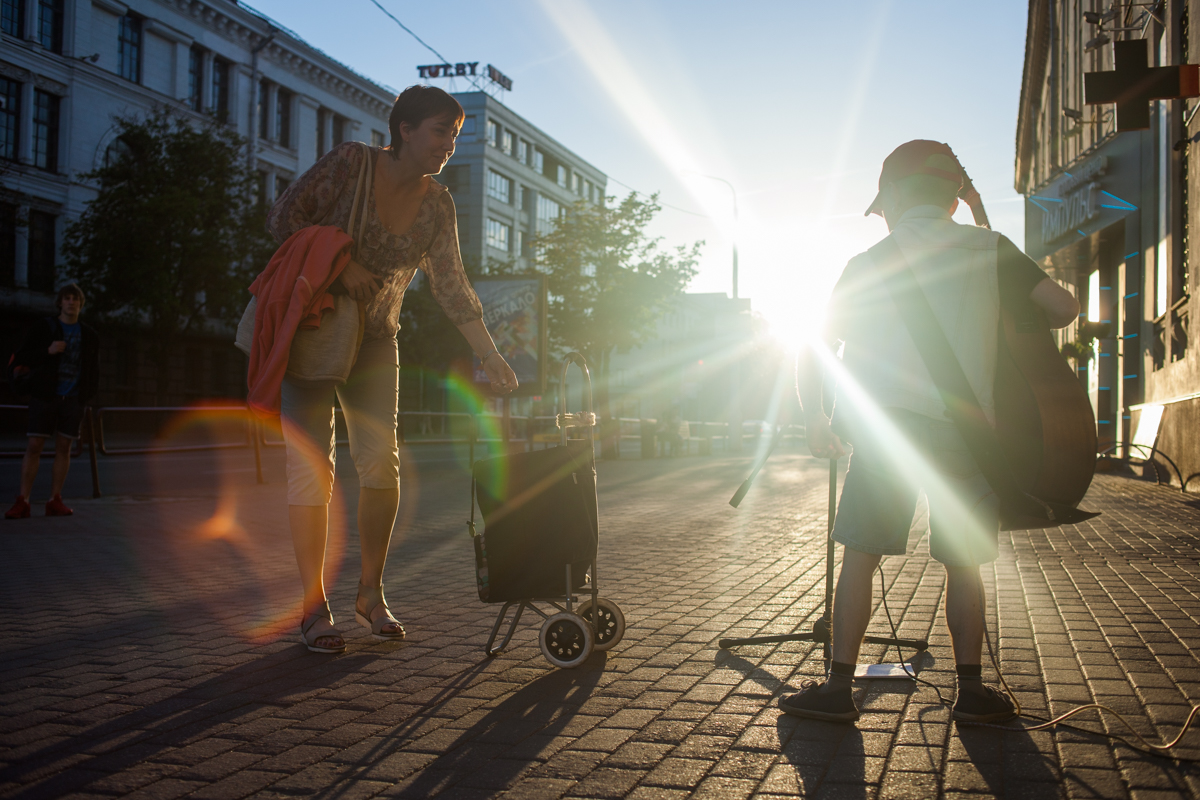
149	650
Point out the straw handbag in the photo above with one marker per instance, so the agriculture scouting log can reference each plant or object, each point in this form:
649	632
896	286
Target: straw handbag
326	353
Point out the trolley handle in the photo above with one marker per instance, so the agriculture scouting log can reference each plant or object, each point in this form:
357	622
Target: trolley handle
587	419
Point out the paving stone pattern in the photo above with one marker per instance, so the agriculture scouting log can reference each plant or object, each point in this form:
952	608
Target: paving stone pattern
149	651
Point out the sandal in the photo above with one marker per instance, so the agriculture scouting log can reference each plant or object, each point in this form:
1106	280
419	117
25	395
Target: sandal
374	598
317	625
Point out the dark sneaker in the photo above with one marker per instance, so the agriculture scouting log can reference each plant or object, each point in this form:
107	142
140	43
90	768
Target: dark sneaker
990	706
57	508
19	510
816	700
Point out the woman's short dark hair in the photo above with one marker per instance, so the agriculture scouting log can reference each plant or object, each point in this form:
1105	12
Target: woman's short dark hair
70	290
417	104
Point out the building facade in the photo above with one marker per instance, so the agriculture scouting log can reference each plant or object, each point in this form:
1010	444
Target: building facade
1108	214
69	67
510	182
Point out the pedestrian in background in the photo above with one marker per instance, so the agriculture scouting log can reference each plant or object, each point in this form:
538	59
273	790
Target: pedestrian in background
58	365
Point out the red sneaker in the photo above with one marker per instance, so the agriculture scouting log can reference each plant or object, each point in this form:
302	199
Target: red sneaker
57	508
20	509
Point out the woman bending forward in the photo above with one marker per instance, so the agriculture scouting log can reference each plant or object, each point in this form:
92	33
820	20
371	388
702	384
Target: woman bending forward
410	225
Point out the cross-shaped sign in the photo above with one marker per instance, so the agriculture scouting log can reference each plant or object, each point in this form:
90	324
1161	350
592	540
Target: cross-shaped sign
1132	85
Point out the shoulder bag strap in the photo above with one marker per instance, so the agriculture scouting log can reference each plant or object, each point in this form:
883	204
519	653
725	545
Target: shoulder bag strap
962	405
357	224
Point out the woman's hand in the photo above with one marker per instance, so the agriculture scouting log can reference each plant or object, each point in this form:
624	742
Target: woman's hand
501	375
360	284
822	441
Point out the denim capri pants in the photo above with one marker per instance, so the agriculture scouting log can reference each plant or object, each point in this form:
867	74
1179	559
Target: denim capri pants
368	399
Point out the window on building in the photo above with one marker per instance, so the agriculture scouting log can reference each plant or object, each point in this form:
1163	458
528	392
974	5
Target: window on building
119	148
576	183
377	139
12	17
8	245
195	78
281	185
548	213
220	89
499	187
523	151
506	143
129	49
561	176
498	234
45	130
264	110
539	161
41	251
492	132
10	118
339	130
468	127
283	118
50	24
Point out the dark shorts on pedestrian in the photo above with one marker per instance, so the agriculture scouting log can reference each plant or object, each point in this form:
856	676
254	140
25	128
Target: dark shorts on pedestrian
887	475
62	416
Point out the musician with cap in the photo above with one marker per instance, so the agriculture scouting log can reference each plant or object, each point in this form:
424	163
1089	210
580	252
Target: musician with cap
895	412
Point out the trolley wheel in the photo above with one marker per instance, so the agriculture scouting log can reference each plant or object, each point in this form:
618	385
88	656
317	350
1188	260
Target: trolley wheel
611	625
566	640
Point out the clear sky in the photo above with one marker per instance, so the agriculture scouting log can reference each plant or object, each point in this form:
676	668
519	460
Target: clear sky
795	102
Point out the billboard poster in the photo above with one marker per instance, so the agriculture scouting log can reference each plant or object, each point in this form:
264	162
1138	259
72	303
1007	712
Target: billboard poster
514	311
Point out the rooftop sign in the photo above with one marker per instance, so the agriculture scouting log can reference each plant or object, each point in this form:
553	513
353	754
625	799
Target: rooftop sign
464	69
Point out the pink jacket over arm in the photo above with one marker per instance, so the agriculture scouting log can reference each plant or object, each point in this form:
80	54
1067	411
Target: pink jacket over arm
292	294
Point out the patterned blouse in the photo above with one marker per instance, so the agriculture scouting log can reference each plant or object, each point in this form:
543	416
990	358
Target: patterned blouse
324	195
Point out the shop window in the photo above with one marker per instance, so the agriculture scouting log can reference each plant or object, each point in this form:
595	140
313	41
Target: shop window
283	118
10	118
129	49
498	234
264	111
220	90
8	245
12	17
45	131
195	78
41	251
499	187
50	25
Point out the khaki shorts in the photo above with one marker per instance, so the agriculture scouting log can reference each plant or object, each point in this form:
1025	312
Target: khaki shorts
368	399
880	496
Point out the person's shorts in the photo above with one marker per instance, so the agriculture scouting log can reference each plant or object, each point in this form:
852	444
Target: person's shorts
885	478
62	416
368	399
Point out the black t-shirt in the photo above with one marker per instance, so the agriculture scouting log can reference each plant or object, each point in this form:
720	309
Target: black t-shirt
1016	275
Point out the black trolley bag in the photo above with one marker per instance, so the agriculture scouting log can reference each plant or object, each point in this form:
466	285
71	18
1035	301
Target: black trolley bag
539	540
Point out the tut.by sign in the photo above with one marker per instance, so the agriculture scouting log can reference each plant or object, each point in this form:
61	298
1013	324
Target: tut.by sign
1074	201
465	69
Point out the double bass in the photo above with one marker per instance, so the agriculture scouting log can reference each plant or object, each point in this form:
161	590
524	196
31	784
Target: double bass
1044	419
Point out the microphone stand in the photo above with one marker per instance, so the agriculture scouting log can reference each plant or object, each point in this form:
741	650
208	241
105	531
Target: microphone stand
823	628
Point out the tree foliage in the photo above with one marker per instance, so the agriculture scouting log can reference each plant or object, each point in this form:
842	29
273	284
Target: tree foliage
608	282
174	236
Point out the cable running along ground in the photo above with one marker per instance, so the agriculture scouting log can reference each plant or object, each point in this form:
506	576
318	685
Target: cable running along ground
1146	747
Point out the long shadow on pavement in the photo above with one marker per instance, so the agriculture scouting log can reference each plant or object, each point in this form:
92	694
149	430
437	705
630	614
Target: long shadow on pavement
279	680
487	755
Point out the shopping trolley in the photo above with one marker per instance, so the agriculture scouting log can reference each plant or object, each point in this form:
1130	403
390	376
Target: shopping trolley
539	537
